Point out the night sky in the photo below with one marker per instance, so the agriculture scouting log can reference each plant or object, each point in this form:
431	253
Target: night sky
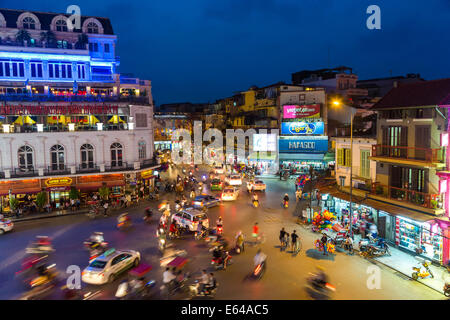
202	50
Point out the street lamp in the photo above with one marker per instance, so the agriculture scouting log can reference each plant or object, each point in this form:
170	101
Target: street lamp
338	103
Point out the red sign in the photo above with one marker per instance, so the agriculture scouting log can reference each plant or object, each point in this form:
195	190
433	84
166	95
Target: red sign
47	110
301	111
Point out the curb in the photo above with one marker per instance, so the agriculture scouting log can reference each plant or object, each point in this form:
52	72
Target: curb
384	264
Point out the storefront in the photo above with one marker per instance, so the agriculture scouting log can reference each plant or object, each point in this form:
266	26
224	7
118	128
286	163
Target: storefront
58	189
146	180
25	191
265	162
302	152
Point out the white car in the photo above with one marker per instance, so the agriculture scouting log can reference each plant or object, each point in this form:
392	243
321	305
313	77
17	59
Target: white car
109	265
6	225
190	217
234	180
258	185
229	194
218	170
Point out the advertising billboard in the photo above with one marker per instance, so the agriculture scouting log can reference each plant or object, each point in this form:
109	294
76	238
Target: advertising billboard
301	111
302	128
303	145
264	142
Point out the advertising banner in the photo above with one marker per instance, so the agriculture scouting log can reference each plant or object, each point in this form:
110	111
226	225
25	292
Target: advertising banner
301	111
302	128
303	145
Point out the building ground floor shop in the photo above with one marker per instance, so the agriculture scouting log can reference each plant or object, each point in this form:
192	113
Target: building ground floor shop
415	232
57	190
301	162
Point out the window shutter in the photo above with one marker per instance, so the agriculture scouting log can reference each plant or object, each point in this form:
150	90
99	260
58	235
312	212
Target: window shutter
347	157
339	159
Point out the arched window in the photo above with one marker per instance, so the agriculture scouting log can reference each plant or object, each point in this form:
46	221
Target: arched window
116	155
87	156
92	27
142	150
61	25
25	155
57	157
28	23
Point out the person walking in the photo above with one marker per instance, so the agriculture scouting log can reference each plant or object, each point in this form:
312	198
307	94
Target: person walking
105	208
324	241
294	242
282	238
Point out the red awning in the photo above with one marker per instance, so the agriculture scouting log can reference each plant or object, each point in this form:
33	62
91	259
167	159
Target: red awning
21	191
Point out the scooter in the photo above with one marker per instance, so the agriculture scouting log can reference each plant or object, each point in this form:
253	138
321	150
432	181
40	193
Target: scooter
219	229
318	289
219	264
285	204
422	273
162	245
255	203
207	291
124	292
259	270
447	289
200	235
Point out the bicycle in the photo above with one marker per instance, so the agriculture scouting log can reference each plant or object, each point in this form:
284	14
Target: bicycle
297	247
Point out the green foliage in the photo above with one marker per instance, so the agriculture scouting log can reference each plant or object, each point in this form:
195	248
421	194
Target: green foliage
41	199
48	37
104	192
22	35
13	203
73	193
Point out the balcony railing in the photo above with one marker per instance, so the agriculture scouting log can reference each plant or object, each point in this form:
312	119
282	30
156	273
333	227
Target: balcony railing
56	170
40	97
88	168
23	172
119	166
427	200
409	153
63	128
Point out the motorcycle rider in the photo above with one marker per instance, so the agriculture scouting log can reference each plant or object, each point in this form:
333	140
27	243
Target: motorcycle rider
97	237
204	280
259	258
320	278
240	241
255	232
255	198
192	194
123	218
219	224
285	199
148	214
173	228
212	282
168	278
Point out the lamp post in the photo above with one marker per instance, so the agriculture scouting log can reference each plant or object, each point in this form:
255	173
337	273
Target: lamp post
338	103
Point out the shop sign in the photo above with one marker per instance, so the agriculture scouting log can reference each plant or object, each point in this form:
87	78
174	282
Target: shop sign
303	146
302	128
58	110
58	182
147	174
301	111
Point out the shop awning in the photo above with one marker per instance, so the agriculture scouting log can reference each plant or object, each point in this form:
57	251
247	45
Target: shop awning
89	186
345	196
398	211
21	191
301	156
329	156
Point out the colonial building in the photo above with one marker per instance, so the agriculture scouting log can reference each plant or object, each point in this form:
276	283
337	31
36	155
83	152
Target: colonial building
68	118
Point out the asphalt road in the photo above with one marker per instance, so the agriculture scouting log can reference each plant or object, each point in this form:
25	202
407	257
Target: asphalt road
285	277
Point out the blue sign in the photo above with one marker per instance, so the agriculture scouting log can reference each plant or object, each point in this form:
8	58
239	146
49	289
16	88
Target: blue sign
303	145
302	128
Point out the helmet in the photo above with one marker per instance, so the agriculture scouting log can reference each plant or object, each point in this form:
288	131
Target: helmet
285	194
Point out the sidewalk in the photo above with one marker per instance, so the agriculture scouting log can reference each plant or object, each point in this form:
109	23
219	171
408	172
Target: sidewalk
402	262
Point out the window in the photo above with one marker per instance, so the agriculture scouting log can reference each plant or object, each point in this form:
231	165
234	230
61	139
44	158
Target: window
61	25
142	150
93	47
365	164
107	47
28	23
57	157
92	27
141	120
81	71
87	156
36	69
60	70
12	68
116	155
344	157
25	155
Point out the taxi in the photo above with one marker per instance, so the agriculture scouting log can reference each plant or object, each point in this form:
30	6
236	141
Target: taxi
6	225
229	194
190	218
216	185
107	267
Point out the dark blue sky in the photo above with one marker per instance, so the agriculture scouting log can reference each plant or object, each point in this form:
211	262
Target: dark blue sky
202	50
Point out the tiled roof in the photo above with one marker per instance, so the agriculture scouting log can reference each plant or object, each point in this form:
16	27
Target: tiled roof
45	19
426	93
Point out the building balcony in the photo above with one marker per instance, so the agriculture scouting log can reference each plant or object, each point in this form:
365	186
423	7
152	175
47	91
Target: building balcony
407	196
11	97
31	128
57	170
423	157
119	166
88	168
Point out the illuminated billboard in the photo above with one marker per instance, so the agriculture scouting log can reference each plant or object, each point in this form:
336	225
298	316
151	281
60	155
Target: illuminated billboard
302	128
301	111
264	142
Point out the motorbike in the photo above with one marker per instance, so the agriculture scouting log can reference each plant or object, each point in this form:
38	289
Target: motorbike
421	273
30	263
218	262
206	292
259	270
447	289
317	288
124	224
161	245
219	229
41	245
373	248
95	248
255	203
204	178
125	292
153	196
285	204
42	284
201	235
175	286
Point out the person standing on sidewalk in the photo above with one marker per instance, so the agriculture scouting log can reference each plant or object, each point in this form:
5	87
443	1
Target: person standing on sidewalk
349	244
294	241
105	208
324	241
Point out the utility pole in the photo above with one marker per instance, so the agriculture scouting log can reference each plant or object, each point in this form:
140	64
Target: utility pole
351	173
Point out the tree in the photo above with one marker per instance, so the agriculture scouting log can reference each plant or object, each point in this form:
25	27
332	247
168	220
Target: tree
22	35
48	37
73	193
13	204
41	200
82	41
104	192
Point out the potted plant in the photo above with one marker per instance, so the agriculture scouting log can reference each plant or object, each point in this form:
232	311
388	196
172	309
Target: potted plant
74	194
22	35
104	192
433	204
13	204
41	200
